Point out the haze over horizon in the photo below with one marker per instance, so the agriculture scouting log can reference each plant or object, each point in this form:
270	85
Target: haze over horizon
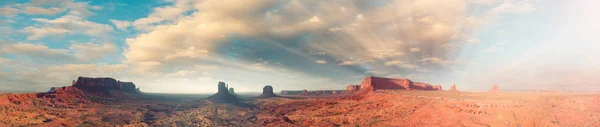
187	46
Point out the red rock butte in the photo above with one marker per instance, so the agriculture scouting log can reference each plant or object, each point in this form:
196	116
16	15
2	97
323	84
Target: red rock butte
352	88
223	95
104	85
267	92
495	89
453	88
376	83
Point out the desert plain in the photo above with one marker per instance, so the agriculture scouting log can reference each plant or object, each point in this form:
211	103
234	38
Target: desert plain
83	104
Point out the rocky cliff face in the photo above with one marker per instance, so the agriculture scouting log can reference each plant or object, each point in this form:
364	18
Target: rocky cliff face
128	87
375	83
104	85
422	86
267	92
223	95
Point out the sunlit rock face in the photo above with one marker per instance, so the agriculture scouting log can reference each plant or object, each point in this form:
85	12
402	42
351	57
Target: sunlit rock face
223	95
375	83
267	92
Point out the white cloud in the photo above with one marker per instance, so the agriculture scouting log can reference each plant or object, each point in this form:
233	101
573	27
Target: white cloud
513	7
401	64
473	41
90	51
67	24
321	62
122	25
32	10
436	60
415	49
181	73
35	51
347	63
8	11
378	73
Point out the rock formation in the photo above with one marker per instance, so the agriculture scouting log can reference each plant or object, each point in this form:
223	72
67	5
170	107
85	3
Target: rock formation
290	92
376	83
352	88
232	92
104	85
438	87
52	89
453	88
267	92
495	89
305	92
223	95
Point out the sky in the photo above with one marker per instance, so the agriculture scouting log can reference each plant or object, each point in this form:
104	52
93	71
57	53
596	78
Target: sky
187	46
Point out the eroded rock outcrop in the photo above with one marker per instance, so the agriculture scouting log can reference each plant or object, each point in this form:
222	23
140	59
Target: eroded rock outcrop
223	95
352	88
453	88
438	87
267	92
495	89
232	92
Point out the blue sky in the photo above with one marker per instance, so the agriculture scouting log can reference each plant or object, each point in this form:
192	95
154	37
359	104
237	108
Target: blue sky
187	46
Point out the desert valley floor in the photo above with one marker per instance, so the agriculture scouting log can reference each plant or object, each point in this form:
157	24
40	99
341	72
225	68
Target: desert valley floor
379	108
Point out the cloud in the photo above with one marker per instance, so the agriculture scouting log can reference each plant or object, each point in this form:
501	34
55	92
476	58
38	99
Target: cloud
8	11
163	14
122	25
32	10
67	24
513	7
415	49
401	64
436	60
473	41
321	62
347	63
181	73
50	7
91	51
35	52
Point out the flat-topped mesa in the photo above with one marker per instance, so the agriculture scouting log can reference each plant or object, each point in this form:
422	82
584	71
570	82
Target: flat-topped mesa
495	88
223	95
104	85
290	92
422	86
267	92
379	83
